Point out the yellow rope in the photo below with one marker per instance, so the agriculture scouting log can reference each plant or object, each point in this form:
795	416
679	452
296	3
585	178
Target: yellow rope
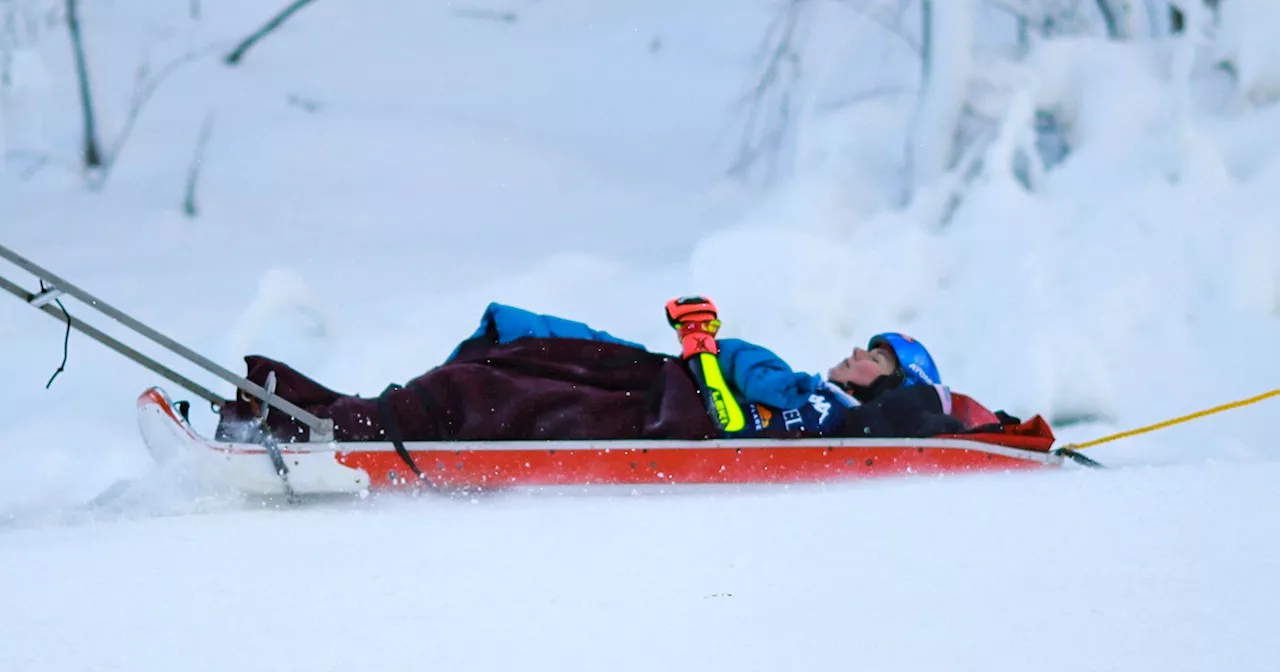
1174	421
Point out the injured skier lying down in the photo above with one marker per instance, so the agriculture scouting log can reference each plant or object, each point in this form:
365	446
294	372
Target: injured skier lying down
529	376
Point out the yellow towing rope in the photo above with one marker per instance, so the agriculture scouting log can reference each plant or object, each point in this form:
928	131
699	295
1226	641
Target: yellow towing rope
1071	449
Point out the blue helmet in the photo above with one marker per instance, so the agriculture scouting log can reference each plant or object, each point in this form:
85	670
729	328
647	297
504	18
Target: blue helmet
913	359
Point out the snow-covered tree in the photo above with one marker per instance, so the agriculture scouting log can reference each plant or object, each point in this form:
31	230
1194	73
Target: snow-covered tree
946	57
971	70
24	83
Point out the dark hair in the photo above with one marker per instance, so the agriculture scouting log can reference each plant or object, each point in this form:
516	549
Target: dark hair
883	383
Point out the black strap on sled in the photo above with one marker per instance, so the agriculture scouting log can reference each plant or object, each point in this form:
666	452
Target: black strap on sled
271	443
51	292
391	425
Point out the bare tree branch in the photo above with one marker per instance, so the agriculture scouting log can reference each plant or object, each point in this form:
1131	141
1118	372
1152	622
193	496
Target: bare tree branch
189	206
37	161
305	104
926	41
967	169
769	100
1015	8
269	27
145	86
886	18
763	132
92	155
1109	19
926	66
485	14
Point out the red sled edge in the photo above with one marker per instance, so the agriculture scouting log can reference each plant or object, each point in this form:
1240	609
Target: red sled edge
337	467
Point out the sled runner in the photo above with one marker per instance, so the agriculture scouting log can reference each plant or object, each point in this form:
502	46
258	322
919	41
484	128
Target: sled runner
322	465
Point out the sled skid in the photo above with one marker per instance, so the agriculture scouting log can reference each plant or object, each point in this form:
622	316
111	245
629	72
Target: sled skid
243	467
358	467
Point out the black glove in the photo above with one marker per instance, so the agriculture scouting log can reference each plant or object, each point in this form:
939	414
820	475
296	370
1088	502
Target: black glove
1006	419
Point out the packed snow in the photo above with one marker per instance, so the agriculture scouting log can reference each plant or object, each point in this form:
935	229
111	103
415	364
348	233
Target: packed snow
374	176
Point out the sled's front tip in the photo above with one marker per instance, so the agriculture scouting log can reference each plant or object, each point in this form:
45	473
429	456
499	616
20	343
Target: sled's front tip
166	434
242	467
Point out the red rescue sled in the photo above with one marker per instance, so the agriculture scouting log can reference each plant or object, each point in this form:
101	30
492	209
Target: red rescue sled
323	467
338	467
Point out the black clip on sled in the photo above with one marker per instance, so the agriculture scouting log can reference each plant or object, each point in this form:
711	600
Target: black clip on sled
269	440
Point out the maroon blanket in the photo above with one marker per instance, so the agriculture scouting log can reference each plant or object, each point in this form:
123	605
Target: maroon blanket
530	389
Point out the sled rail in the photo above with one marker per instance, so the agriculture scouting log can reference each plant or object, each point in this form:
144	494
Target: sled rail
54	287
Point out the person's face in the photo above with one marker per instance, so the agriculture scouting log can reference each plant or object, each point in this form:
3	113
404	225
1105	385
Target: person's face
863	367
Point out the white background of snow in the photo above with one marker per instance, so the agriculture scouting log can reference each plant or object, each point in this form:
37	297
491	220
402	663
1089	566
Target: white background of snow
559	164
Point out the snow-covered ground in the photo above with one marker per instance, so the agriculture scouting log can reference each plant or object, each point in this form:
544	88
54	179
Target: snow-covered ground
375	176
1153	569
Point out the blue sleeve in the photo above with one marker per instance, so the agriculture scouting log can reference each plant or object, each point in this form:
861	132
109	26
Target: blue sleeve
762	377
508	323
757	374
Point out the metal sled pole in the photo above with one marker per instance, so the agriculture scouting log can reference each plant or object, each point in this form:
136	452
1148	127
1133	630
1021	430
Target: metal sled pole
95	334
321	428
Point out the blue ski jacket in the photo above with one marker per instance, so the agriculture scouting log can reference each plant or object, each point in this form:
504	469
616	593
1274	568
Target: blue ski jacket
755	372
